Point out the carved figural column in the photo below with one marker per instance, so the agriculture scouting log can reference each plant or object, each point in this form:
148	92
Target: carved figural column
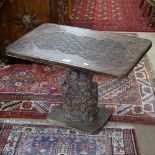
80	108
80	97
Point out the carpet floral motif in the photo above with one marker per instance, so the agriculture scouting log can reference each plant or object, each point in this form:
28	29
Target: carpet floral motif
17	139
131	99
30	91
110	15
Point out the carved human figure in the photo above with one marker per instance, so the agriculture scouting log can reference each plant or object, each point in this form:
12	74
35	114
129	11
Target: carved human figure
80	97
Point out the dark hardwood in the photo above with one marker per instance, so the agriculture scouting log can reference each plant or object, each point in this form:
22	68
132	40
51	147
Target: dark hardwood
2	3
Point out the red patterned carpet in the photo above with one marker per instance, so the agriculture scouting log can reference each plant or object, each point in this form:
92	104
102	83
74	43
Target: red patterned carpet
110	15
29	91
26	91
132	99
20	139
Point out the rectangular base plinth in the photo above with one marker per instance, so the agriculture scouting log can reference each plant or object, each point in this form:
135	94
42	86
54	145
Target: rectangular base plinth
57	116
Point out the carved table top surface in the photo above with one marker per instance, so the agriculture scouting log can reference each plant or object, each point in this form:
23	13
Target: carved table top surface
98	51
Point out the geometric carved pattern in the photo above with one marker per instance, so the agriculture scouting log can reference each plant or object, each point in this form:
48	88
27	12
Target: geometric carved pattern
112	55
70	44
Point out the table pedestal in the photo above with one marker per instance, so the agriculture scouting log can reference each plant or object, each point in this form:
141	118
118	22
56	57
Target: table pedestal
80	109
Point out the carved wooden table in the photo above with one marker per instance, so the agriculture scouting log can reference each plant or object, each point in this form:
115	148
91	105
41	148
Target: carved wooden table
84	51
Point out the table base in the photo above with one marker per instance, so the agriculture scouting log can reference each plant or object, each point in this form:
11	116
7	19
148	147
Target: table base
57	116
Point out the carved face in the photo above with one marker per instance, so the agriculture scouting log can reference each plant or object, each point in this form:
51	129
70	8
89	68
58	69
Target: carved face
74	76
87	95
26	20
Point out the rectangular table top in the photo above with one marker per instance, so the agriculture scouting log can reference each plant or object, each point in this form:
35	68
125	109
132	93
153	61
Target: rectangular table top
97	51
